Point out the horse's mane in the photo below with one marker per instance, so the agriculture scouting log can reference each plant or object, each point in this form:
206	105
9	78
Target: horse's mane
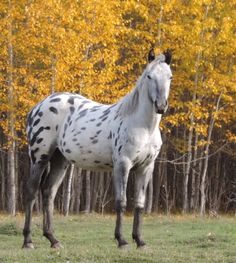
129	103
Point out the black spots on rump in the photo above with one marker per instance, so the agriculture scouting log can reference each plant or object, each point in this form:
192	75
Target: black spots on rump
56	127
39	140
80	107
110	135
36	135
74	140
98	132
68	151
104	118
30	119
65	127
54	110
92	119
72	109
120	147
40	114
83	128
95	141
81	114
37	112
99	124
116	142
36	122
55	100
71	100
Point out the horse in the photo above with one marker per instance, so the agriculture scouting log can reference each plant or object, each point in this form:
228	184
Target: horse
68	128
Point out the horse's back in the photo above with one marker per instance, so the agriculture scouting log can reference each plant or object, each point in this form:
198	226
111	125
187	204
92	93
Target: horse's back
77	126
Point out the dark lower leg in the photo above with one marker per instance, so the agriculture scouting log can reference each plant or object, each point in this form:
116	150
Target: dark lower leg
119	222
137	227
47	224
27	227
31	193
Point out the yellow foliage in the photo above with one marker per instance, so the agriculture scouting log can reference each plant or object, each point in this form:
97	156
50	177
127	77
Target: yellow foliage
99	48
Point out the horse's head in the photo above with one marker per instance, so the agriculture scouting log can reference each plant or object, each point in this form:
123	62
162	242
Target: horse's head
157	79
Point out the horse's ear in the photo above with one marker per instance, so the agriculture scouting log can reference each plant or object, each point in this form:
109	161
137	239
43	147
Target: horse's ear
168	56
151	55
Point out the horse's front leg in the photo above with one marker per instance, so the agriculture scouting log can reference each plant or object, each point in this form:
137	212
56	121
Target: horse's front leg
121	173
143	176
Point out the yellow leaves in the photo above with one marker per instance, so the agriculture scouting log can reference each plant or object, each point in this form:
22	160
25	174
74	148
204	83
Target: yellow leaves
99	48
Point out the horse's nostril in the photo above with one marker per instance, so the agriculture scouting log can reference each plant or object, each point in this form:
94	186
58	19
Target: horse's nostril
160	111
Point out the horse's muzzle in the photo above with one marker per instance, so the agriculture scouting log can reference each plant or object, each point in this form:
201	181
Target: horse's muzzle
161	108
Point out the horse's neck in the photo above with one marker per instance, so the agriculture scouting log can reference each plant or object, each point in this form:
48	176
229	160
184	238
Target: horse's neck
145	114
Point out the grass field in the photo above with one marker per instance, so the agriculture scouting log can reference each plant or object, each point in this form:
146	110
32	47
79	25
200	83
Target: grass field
89	238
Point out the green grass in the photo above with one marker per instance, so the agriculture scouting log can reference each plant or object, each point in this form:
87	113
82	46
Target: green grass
90	239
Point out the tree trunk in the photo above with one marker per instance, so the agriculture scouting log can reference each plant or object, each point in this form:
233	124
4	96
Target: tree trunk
96	178
194	175
68	191
205	164
78	190
87	192
11	137
3	172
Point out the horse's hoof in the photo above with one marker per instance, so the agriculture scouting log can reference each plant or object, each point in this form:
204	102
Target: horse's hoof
141	245
57	245
28	246
123	244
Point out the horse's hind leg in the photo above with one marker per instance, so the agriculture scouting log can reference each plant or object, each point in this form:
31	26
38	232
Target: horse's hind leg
58	167
32	188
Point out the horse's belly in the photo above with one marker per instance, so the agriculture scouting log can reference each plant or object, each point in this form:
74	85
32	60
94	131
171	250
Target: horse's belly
87	151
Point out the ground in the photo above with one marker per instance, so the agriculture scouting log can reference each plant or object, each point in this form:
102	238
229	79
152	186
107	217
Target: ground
89	238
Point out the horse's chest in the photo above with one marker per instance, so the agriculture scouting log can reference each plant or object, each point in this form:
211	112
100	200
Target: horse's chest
146	155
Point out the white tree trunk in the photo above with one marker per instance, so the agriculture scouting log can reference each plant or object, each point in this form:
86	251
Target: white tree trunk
68	191
88	193
205	164
11	121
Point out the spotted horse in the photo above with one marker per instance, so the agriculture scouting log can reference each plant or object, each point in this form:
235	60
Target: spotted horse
69	128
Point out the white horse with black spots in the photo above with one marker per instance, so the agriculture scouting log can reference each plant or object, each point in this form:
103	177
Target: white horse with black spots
68	128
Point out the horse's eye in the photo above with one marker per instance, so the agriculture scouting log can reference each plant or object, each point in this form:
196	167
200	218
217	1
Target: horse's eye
149	76
171	78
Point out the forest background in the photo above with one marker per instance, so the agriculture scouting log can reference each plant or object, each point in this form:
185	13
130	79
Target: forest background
98	48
